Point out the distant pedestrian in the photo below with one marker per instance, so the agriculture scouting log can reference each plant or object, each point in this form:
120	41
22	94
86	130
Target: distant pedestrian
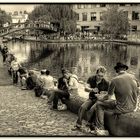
4	53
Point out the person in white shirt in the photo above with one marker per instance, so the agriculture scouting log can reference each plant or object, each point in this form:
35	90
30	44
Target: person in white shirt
67	86
48	85
15	67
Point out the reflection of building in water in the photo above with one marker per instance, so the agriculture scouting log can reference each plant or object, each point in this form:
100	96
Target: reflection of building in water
133	60
82	59
21	52
87	63
54	57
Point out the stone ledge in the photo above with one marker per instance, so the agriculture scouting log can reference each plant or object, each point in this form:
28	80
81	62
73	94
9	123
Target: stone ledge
122	125
125	125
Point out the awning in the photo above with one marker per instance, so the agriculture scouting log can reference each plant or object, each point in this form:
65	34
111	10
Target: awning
91	28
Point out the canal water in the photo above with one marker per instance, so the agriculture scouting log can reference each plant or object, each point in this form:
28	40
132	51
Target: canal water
80	58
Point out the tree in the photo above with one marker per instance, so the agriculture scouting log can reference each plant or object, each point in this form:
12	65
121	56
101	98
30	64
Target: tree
61	13
115	22
4	18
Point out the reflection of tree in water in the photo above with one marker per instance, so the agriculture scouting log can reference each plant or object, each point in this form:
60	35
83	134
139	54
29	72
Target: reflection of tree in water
54	57
84	58
106	54
38	51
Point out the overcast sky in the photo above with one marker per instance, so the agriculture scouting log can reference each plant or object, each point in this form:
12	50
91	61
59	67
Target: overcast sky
17	7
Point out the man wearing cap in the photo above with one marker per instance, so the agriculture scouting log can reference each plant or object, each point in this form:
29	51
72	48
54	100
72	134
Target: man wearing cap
125	88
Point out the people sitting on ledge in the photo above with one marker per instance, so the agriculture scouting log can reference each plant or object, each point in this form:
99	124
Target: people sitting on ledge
67	85
48	85
125	87
31	80
96	84
23	75
15	65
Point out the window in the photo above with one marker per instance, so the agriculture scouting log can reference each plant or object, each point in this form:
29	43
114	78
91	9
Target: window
134	4
135	15
101	15
134	27
77	16
102	5
85	6
97	5
93	5
122	4
93	16
84	16
126	13
79	6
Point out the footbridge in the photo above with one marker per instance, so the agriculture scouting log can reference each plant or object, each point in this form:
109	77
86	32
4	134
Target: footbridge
46	27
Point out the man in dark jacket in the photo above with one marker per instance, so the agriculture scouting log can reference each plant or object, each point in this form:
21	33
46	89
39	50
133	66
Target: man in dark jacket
67	84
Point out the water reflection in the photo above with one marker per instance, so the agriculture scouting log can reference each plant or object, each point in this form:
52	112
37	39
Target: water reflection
82	59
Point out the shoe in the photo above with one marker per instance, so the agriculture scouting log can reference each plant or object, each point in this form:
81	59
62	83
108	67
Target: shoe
102	132
49	103
76	127
23	88
55	109
43	97
93	132
88	124
62	107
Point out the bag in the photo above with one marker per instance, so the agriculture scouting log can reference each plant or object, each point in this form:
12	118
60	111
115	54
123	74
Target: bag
38	91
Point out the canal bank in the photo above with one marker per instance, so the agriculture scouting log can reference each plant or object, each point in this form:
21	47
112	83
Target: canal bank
32	124
83	41
123	123
23	114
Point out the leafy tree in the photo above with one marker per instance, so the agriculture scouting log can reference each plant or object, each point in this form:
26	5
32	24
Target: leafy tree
61	13
115	22
4	18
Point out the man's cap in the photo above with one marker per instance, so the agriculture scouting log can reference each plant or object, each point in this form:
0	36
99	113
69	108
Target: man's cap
120	65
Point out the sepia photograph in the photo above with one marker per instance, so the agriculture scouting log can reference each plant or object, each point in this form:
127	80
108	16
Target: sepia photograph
70	69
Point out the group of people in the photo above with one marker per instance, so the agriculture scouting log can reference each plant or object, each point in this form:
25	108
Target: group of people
16	70
58	90
124	86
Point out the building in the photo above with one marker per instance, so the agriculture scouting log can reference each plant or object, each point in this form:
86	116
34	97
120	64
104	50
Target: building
19	17
89	16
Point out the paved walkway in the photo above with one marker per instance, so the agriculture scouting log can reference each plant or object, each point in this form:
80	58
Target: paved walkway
5	79
23	114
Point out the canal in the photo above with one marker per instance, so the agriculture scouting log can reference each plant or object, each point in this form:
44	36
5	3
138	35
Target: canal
80	58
